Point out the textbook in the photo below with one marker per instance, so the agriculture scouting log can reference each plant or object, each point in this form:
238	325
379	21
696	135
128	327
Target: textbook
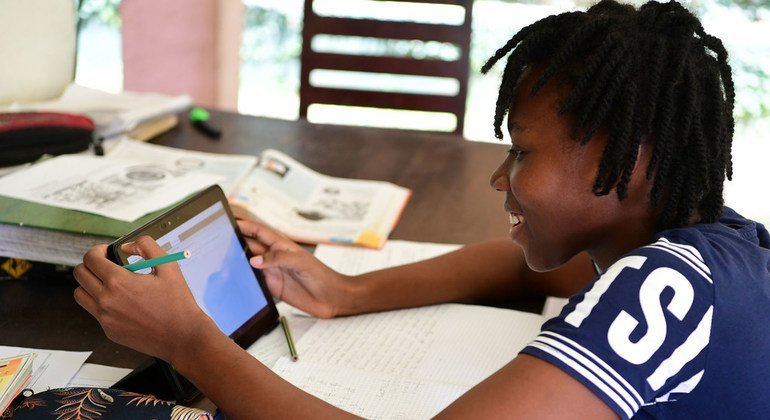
286	195
314	208
38	232
273	188
15	372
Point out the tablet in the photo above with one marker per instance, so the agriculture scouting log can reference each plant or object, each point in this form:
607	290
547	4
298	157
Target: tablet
226	287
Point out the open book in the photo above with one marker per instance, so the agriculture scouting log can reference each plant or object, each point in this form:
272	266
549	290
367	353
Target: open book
404	364
286	195
314	208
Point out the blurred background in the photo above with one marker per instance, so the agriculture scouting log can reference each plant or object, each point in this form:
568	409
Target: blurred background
268	65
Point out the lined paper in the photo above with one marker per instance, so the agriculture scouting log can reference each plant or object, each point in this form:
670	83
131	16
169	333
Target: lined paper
408	363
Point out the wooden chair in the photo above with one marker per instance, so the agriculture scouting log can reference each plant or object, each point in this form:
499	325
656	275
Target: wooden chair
458	35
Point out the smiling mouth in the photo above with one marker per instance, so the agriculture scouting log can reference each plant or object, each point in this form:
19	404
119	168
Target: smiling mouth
515	219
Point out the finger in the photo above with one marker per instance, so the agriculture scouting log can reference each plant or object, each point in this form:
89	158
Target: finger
87	280
147	248
259	232
84	299
96	261
143	246
255	246
279	259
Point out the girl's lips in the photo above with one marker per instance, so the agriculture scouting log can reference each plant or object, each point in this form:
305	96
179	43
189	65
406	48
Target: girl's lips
515	219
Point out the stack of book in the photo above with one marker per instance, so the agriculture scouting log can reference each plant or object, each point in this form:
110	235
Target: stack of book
39	232
141	115
15	372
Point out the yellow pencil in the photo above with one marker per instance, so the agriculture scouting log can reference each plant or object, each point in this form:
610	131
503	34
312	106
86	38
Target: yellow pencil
289	340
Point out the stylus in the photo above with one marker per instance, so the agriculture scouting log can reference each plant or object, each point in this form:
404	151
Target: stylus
289	340
152	262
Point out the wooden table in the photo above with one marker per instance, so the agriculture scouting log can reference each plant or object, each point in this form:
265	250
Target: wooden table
451	203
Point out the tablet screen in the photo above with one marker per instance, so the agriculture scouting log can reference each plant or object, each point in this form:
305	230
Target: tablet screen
218	272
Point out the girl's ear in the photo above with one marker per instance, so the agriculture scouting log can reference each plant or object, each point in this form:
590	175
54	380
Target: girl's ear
643	156
639	174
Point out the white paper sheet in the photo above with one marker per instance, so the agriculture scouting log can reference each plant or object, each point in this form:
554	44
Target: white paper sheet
347	260
409	363
553	306
231	168
370	395
352	261
120	189
51	368
92	375
273	346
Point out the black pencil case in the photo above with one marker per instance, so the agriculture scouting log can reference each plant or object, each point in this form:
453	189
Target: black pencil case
25	136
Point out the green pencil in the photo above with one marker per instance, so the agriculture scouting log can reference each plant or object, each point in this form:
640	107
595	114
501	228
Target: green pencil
152	262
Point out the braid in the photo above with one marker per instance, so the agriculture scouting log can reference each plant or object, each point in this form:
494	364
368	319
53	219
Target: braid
513	69
552	21
651	75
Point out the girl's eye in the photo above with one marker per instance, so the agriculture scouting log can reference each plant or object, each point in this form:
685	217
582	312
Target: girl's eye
516	153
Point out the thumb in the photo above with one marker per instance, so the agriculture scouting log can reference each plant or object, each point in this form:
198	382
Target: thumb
280	259
147	248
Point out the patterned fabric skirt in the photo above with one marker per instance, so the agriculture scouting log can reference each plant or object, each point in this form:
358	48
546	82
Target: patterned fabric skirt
97	403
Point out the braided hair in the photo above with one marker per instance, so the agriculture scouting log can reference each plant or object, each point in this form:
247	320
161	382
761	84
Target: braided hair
651	73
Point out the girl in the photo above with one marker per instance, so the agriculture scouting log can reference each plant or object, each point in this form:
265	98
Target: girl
621	125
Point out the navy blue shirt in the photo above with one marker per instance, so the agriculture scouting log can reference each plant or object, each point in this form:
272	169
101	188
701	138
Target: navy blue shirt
679	328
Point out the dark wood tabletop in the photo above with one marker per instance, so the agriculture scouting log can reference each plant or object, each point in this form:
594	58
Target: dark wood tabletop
451	202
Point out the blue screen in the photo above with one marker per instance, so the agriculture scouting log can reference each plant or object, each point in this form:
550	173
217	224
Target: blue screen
218	272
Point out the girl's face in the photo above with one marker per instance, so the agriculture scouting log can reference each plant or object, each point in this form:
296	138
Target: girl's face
548	179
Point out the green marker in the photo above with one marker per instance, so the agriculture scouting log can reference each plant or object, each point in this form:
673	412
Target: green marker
152	262
199	114
199	118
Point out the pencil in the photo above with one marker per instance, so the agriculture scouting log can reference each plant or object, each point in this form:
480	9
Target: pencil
152	262
289	340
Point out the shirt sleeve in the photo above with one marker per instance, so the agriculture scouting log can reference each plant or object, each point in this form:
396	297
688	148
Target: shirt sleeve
639	333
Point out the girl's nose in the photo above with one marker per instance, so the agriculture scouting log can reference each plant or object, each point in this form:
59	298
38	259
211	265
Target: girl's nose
499	180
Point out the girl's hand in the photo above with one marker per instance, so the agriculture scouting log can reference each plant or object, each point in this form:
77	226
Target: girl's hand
294	275
155	313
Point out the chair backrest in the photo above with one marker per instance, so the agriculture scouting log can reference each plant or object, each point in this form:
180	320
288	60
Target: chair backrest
38	39
458	35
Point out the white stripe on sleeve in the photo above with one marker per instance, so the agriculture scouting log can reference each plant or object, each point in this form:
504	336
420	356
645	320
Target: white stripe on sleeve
695	343
627	410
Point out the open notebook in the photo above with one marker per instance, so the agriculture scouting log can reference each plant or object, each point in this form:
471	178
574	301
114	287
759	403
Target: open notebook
406	364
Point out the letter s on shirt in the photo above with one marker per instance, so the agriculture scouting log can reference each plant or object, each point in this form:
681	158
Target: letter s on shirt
624	324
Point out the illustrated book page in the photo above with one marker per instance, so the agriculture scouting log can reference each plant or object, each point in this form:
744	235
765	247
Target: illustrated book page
314	208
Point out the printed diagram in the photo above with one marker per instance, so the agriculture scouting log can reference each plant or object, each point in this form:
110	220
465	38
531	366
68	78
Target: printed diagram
190	164
276	167
334	204
332	208
115	188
